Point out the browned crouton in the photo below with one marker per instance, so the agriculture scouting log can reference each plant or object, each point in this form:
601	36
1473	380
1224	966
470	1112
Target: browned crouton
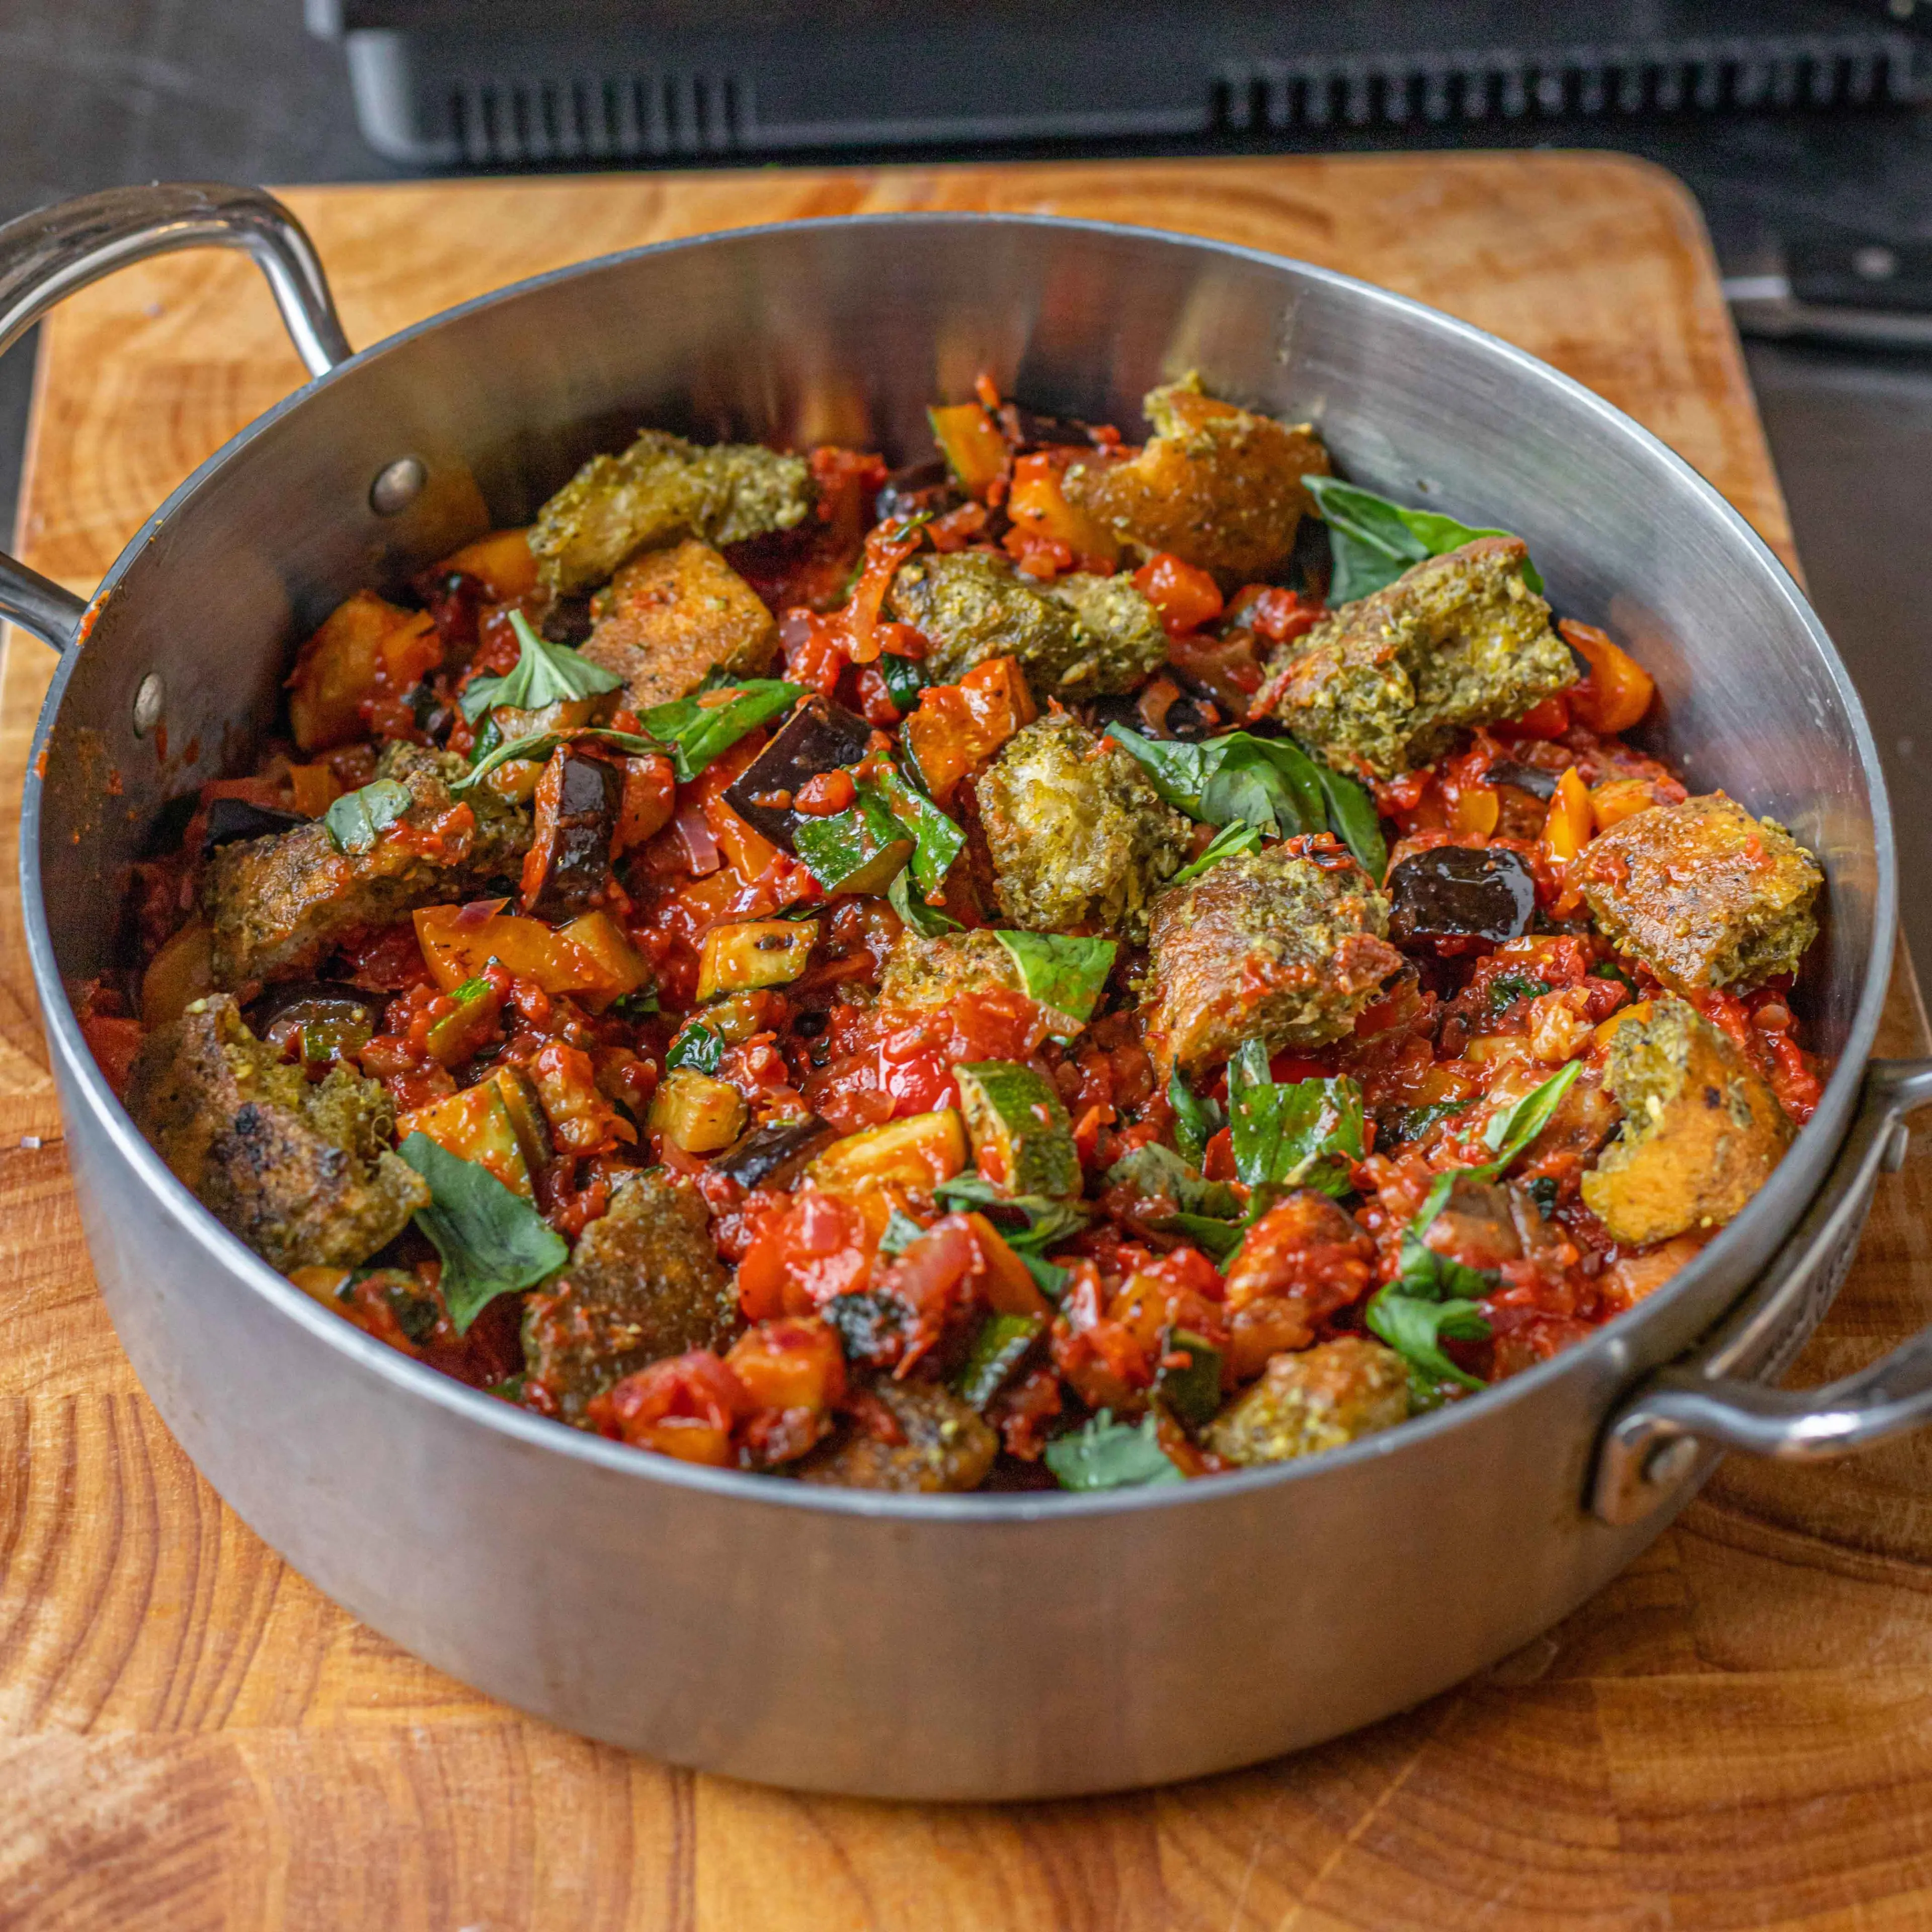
945	1446
1318	1399
674	616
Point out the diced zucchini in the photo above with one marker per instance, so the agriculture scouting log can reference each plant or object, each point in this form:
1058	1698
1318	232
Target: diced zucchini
1022	1139
526	1116
475	1125
856	850
918	1152
974	450
1003	1342
458	1036
1191	1393
695	1112
754	952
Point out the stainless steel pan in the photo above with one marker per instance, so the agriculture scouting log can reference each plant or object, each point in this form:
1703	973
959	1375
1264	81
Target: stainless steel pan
951	1647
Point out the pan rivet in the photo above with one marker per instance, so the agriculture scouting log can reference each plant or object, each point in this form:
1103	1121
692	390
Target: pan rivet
1671	1463
397	485
149	701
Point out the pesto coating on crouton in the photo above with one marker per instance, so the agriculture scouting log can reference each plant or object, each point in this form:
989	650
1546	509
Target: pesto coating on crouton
1217	486
301	1171
945	1446
1079	838
644	1282
1384	683
660	490
935	972
1273	946
277	904
1704	893
1320	1398
1081	636
1702	1128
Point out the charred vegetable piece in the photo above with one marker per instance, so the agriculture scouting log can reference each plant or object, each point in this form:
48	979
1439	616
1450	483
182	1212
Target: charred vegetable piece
754	953
1021	1137
943	1445
771	1156
1002	1343
315	1019
277	904
301	1171
567	870
920	489
660	490
674	617
1702	1130
644	1282
1078	637
1703	893
1455	892
818	737
696	1112
919	1151
181	973
1304	1403
1079	839
1269	946
1386	682
1533	779
527	1117
1217	486
230	819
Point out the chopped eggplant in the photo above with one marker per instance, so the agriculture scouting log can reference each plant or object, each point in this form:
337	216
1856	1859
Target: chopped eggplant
1455	892
920	489
567	870
232	820
567	621
769	1155
819	736
1531	779
316	1019
1028	429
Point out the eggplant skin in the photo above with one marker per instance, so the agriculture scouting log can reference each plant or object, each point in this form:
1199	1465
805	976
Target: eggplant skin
1320	1398
1079	839
1384	683
1702	1130
659	490
1703	893
1217	486
948	1447
672	617
278	904
567	870
301	1171
1452	892
1270	946
644	1282
1080	636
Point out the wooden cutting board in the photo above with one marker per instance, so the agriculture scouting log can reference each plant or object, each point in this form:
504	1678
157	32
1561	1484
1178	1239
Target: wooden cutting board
1738	1732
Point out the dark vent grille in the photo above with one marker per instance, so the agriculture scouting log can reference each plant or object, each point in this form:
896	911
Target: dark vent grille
1816	72
618	117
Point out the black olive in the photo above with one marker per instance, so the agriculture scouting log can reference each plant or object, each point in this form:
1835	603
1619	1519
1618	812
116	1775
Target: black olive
232	820
920	487
1531	779
772	1151
819	736
1455	892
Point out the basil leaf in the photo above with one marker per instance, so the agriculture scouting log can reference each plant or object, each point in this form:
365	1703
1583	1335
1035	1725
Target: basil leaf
695	733
357	819
937	841
539	745
1042	1222
697	1047
1157	1173
927	921
1218	1241
1196	1119
1373	540
904	678
1412	1123
492	1242
1352	814
1193	1393
1001	1344
1266	782
545	674
1508	1134
1228	843
1176	770
1303	1133
901	1230
1049	1277
1104	1454
1061	971
1414	1328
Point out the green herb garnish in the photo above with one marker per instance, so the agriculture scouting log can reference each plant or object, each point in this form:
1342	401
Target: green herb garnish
357	819
1301	1133
545	674
1104	1454
1373	540
1197	1119
538	746
698	1048
695	733
1061	972
1228	843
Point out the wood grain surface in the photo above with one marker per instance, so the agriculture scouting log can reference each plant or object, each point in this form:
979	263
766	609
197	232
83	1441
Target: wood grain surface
1737	1733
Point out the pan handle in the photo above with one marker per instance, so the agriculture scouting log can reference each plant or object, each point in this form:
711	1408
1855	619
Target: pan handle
1715	1398
45	257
